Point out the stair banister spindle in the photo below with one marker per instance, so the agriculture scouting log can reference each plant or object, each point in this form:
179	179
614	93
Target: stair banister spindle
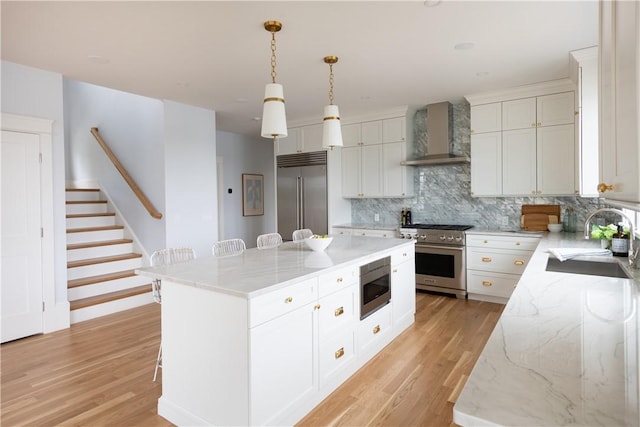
134	187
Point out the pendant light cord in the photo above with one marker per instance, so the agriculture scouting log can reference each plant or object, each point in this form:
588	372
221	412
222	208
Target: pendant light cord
331	84
273	57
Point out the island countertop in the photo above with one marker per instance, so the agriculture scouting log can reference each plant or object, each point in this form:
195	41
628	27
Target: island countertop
257	271
565	350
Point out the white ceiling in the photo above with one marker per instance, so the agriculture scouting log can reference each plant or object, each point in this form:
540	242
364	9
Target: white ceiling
216	54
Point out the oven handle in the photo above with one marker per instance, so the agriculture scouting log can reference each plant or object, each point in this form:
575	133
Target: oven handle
452	248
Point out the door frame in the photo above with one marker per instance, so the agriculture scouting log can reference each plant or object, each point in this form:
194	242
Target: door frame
43	128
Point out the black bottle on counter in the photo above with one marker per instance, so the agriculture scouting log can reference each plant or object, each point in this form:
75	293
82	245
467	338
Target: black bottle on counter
408	216
403	217
620	243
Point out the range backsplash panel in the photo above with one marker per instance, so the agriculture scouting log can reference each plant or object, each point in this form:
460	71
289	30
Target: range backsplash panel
442	193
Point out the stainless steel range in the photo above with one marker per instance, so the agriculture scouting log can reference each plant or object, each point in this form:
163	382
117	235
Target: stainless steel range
440	257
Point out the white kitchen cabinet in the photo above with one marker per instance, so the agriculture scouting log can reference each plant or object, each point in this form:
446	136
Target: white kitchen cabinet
394	130
403	292
282	364
302	139
486	164
342	231
534	152
397	180
619	100
368	232
495	264
486	118
365	133
361	171
375	331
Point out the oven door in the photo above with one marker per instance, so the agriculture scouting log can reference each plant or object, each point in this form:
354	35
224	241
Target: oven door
440	267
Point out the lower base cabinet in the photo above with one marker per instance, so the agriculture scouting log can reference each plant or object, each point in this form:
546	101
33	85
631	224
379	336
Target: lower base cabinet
495	264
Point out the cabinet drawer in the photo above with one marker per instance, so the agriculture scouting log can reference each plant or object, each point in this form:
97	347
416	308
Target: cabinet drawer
374	329
335	353
495	284
337	311
341	231
277	303
374	233
338	280
503	242
499	260
402	255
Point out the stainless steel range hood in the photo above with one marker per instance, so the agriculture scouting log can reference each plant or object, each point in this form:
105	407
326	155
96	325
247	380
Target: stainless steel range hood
440	130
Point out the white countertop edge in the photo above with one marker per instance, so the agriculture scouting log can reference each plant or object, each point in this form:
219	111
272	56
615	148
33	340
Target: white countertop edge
178	273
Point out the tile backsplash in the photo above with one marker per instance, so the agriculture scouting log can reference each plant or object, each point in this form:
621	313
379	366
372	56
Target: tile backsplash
442	193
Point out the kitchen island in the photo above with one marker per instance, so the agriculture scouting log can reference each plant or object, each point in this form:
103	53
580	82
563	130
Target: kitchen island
565	350
262	337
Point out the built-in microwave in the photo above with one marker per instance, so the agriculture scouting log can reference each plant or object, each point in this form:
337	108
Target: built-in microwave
375	286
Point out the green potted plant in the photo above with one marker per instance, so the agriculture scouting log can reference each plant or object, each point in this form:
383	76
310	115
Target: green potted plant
605	233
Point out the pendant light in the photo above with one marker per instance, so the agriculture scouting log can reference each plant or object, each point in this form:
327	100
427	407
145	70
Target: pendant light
331	132
274	119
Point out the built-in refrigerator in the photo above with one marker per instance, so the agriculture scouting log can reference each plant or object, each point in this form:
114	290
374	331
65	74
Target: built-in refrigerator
302	193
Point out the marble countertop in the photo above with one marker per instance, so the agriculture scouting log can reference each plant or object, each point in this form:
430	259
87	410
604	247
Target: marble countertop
565	350
259	271
370	226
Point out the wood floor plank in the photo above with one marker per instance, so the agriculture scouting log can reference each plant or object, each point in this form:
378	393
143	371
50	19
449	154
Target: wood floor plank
99	372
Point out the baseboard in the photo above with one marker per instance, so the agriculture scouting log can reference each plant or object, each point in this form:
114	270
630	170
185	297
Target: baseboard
178	415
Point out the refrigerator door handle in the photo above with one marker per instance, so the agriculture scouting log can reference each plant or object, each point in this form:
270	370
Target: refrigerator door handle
302	224
298	202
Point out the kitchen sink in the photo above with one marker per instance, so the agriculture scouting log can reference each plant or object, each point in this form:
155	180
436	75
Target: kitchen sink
593	268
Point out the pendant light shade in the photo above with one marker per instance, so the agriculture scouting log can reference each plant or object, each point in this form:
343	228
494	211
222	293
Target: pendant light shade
331	131
274	119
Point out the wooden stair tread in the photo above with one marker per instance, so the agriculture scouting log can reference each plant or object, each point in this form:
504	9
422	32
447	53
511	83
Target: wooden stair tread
82	189
91	215
100	278
98	244
112	296
101	260
104	228
84	202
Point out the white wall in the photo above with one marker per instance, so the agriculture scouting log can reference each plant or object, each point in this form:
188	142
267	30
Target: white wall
241	154
133	127
32	92
190	177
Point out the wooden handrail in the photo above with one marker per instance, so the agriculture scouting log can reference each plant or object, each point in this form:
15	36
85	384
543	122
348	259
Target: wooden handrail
136	190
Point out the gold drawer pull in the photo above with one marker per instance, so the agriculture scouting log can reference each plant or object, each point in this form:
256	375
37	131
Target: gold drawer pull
518	262
486	241
339	353
339	279
517	243
486	283
602	187
316	307
338	311
486	259
288	300
376	329
404	254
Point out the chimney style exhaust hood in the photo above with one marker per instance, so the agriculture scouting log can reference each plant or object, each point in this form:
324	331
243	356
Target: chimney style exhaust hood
440	130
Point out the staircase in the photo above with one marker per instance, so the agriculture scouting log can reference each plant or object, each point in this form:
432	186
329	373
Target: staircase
100	260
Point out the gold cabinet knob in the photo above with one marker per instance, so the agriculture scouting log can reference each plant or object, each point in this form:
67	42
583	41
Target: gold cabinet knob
517	243
486	283
339	353
288	300
338	311
486	259
518	262
602	187
395	270
316	307
376	329
533	125
339	279
486	241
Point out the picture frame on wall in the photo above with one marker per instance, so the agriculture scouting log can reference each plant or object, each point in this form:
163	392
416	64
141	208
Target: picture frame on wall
252	194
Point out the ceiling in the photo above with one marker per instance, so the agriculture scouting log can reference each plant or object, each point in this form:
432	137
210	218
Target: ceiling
216	54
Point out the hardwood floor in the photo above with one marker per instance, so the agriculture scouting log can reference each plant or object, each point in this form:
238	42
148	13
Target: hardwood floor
99	372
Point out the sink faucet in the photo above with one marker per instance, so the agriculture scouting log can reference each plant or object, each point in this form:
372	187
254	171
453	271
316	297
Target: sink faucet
633	251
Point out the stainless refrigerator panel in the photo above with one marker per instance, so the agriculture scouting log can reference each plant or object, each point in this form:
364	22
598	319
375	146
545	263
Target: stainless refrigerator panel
314	198
288	201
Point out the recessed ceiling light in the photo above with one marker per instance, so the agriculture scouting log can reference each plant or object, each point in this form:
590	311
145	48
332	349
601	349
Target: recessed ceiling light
182	84
431	3
482	73
241	99
464	46
97	59
257	119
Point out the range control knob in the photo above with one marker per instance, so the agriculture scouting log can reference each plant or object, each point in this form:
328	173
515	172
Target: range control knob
458	239
450	238
442	238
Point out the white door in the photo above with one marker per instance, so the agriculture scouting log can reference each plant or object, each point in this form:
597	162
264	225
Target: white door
21	240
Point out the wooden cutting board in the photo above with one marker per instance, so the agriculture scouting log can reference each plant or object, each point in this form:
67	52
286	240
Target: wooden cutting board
537	217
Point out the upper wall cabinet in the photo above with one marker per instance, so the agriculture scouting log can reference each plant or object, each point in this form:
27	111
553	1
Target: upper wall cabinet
371	159
301	139
523	142
618	101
